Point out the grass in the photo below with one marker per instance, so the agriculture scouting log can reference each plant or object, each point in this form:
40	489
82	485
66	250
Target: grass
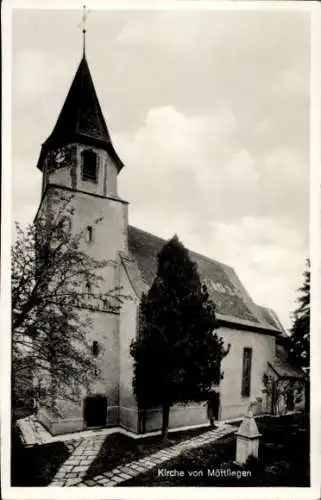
119	449
37	466
283	460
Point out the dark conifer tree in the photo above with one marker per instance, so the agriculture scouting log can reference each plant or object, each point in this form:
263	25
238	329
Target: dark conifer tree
299	341
177	353
300	331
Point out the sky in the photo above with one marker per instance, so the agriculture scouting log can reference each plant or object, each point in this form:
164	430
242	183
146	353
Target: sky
208	110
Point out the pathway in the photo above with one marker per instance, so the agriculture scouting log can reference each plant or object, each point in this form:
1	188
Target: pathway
73	471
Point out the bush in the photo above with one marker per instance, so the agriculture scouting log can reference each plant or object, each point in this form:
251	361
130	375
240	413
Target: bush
251	463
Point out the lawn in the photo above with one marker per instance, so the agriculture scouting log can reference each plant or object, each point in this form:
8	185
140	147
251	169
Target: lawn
119	449
283	460
37	466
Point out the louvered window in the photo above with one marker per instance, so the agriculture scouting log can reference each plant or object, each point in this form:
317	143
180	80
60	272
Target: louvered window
89	166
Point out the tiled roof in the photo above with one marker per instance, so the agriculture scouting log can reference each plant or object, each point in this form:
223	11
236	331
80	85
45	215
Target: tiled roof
134	275
284	370
233	304
81	118
271	317
280	364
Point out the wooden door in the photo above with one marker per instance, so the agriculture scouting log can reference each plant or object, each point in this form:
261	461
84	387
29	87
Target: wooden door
95	410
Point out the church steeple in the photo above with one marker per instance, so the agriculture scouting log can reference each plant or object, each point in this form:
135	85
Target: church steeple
81	119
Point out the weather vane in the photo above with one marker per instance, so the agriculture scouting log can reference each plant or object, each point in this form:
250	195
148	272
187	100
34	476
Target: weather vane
84	19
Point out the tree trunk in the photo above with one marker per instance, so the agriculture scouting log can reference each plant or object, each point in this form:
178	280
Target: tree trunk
142	421
53	388
165	410
274	398
307	397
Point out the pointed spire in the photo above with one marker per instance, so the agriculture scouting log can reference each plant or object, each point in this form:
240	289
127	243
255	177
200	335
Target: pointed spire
81	119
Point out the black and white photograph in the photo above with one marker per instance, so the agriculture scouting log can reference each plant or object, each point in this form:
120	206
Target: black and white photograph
160	179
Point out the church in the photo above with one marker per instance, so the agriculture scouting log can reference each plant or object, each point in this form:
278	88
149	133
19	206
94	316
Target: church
79	158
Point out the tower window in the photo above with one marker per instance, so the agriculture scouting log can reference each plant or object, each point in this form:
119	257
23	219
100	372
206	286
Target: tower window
89	166
89	234
95	348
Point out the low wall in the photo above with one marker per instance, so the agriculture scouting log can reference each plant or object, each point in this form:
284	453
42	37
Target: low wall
128	418
64	425
180	416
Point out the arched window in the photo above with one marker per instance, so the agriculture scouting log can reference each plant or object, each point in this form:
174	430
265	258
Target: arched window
89	165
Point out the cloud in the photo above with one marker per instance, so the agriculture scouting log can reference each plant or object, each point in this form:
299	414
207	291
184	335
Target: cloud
268	256
186	174
48	70
26	191
208	110
173	31
294	81
180	30
241	170
194	164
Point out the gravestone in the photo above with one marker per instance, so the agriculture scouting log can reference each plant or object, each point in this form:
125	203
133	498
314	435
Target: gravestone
247	440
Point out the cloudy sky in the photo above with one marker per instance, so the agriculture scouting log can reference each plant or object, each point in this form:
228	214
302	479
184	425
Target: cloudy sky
209	111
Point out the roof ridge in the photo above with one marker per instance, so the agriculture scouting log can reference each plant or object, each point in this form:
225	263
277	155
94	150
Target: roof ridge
228	292
208	259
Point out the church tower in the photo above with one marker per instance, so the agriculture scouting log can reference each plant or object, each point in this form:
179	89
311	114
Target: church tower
79	153
78	158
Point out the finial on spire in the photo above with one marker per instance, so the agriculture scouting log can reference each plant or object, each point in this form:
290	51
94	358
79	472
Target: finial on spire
84	19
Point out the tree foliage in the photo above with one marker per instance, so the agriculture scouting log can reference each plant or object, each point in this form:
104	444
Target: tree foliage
177	353
299	342
54	284
282	393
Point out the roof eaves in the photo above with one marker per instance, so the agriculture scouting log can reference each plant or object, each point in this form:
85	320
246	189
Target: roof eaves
191	252
246	325
281	375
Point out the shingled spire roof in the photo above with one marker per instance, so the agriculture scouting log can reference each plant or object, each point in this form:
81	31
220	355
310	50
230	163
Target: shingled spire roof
81	119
